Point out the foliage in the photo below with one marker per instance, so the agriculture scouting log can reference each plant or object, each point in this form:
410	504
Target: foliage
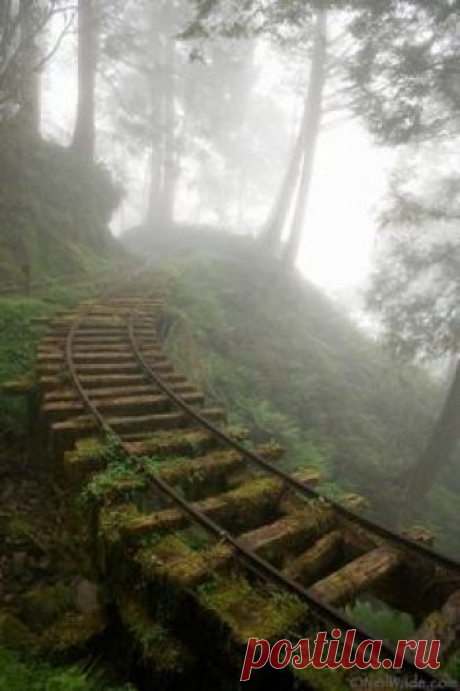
18	338
415	288
299	369
209	131
283	359
391	626
280	19
23	26
453	667
18	674
404	68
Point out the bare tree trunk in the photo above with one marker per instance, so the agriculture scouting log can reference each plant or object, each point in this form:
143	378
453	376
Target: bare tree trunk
30	81
440	446
312	128
154	185
169	136
241	197
160	208
275	224
84	134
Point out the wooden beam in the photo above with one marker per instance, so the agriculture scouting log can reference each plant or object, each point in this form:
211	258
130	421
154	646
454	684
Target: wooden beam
309	566
359	575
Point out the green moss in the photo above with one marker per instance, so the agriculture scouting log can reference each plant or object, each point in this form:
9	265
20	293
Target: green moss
154	640
250	610
112	520
43	605
177	443
118	481
22	533
72	631
15	635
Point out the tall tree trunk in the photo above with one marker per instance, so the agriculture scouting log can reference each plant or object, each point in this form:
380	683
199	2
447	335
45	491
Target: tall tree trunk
30	80
440	446
312	127
154	184
160	208
84	134
274	228
169	135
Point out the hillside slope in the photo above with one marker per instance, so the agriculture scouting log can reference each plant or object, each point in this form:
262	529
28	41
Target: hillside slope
54	209
287	361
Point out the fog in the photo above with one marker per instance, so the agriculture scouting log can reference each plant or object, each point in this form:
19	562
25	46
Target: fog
350	179
229	342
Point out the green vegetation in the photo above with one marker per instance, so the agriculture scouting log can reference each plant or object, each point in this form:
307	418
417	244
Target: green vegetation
381	619
19	674
284	359
18	340
55	210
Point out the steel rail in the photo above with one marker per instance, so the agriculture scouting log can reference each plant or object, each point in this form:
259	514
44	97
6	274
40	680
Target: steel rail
252	560
302	487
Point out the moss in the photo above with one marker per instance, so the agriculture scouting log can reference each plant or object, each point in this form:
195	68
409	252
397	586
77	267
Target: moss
118	481
250	610
154	640
21	533
245	505
43	605
187	570
190	443
72	631
306	375
112	520
15	635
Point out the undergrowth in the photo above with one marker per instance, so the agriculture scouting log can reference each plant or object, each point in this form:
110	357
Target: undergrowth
284	360
18	340
22	674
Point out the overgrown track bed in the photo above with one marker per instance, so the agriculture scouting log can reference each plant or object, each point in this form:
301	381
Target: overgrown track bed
202	540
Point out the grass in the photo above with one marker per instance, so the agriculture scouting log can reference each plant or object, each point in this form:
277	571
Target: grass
23	674
18	340
284	360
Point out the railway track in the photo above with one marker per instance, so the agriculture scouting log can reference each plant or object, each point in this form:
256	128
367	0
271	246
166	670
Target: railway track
203	539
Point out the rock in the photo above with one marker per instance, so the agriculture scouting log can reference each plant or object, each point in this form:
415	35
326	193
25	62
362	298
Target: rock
43	564
87	597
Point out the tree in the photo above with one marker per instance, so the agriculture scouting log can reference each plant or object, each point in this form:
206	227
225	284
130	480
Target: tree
84	133
30	79
405	72
288	25
163	165
192	107
23	29
309	136
405	68
416	292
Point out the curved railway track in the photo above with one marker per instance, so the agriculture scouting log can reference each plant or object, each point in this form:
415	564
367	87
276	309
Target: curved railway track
102	370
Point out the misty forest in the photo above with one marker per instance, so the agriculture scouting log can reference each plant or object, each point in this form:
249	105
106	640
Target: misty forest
229	343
